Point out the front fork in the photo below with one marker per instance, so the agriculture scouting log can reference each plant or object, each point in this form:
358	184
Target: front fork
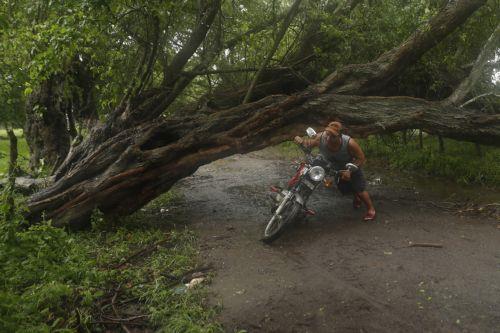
283	203
298	198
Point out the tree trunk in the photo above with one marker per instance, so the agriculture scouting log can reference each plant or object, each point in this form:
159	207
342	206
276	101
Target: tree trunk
479	151
441	144
13	170
52	114
140	163
46	127
13	153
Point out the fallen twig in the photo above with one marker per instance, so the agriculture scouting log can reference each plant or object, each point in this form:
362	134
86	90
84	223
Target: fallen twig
189	274
127	320
113	300
441	206
411	244
111	322
142	252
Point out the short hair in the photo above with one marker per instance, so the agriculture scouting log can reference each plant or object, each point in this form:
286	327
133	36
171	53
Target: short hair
334	127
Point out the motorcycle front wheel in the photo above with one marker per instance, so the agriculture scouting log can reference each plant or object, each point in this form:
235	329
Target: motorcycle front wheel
277	223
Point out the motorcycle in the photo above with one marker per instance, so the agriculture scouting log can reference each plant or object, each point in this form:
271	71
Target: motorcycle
291	202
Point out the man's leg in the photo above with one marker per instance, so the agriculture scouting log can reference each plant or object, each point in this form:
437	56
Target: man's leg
370	210
356	202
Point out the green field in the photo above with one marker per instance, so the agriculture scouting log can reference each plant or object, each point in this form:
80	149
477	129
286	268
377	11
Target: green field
22	147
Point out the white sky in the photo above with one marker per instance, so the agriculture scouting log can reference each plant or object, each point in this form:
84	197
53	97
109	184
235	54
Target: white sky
495	76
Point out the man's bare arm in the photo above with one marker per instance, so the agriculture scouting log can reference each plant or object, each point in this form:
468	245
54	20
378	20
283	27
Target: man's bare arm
307	142
356	152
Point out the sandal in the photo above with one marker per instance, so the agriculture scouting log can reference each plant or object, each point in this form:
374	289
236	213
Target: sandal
369	216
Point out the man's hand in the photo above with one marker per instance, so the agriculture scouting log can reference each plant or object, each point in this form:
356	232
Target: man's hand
345	175
298	140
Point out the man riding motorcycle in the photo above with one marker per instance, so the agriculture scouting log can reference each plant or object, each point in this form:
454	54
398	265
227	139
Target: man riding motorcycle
341	149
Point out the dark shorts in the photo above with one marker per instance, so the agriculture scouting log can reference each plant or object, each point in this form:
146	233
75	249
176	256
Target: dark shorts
355	185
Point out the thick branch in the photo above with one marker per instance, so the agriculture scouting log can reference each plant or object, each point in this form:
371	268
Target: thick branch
256	29
196	38
486	53
131	169
281	33
491	93
13	153
368	78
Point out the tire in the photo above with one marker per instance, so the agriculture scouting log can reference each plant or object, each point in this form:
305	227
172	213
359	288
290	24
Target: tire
277	224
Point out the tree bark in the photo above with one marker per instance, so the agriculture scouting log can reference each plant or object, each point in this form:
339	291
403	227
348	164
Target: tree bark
13	153
46	127
140	163
13	170
52	114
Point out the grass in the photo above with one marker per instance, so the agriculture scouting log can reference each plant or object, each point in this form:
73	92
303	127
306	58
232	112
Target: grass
460	161
55	281
23	151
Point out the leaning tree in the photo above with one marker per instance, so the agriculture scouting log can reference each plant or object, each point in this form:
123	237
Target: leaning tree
138	153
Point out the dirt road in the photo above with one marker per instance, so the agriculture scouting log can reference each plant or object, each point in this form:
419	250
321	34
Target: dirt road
333	272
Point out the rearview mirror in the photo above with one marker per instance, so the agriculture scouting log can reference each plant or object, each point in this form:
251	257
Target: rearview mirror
311	132
351	167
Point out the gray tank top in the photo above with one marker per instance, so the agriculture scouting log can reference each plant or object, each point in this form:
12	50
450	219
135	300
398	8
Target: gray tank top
338	158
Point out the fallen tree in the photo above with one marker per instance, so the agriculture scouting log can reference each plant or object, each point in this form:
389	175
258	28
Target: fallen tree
135	155
139	164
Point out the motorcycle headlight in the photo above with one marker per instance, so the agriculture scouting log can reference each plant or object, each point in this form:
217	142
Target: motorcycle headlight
317	173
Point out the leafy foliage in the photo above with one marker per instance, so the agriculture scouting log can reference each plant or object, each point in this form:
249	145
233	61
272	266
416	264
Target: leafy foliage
460	162
52	280
4	152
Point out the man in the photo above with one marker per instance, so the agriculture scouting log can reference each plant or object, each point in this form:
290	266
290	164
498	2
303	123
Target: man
341	149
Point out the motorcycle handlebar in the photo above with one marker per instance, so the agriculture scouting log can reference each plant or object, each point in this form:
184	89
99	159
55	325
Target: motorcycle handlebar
304	149
334	172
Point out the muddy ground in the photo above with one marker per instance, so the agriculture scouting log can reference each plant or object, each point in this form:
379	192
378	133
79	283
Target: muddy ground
335	273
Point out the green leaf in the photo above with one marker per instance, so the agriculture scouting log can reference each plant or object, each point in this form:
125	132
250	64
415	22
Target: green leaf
28	91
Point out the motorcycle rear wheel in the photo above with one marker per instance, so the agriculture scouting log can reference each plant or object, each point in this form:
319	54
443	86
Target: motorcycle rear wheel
277	223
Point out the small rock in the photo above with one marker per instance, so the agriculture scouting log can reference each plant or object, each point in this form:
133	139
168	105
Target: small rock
194	282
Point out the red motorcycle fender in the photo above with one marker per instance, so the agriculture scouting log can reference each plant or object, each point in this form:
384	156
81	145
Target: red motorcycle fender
296	177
